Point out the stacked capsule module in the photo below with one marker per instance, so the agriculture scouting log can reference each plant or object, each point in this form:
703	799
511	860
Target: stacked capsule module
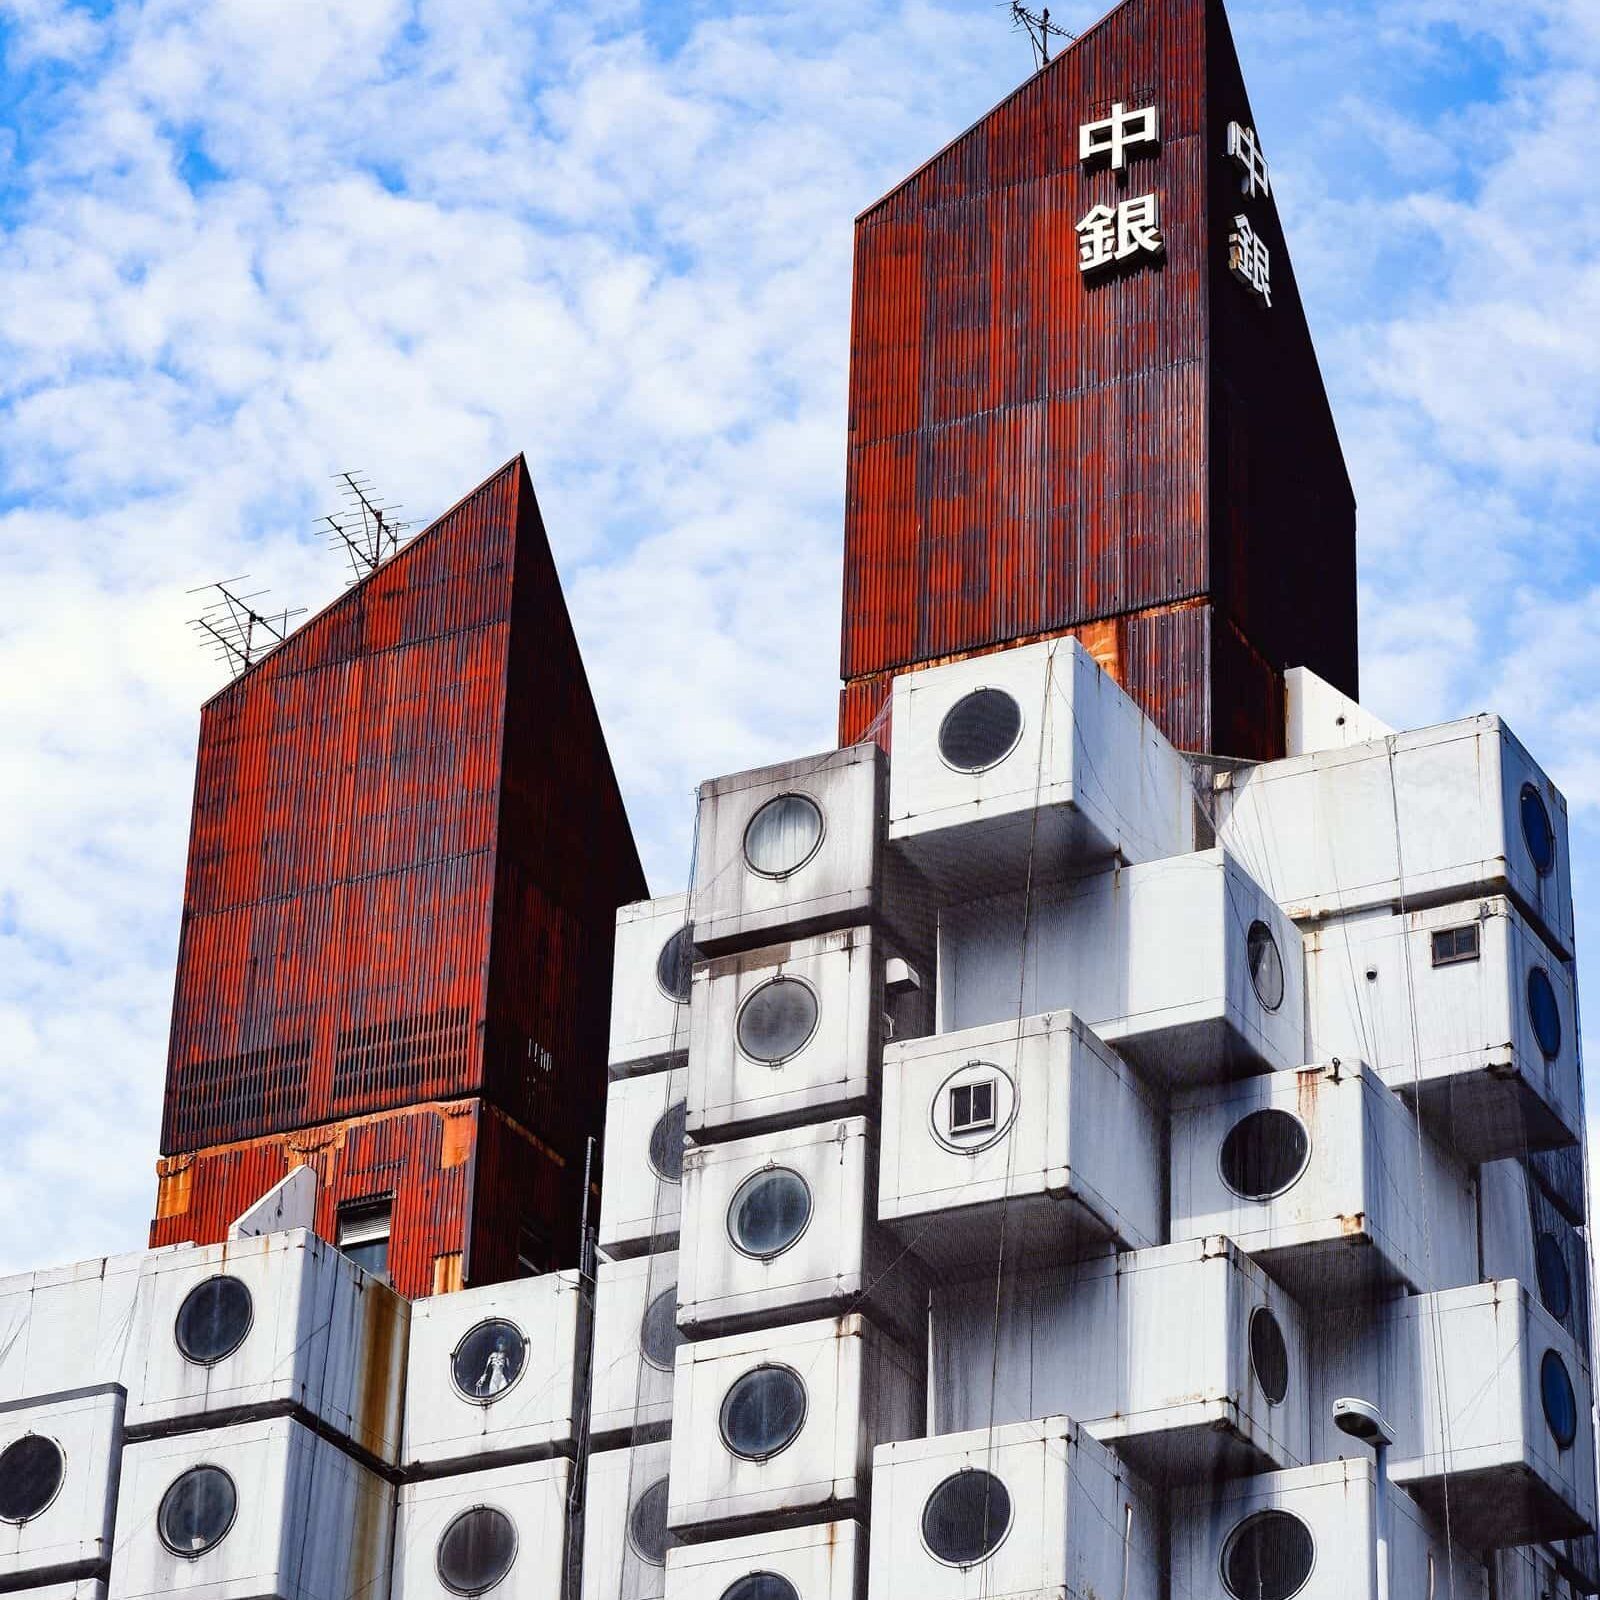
1069	1144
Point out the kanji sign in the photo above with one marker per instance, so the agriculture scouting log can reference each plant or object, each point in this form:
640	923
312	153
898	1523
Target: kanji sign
1110	234
1249	258
1114	135
1245	148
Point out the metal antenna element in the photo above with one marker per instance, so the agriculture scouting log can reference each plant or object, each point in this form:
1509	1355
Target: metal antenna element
1040	30
232	628
367	530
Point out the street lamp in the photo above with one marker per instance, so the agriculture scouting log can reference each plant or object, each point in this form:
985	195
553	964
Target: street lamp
1362	1420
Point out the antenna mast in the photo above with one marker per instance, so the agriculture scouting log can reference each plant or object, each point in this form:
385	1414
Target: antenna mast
1040	30
367	530
234	630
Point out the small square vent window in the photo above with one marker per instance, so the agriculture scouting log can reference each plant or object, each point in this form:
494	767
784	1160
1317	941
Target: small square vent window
364	1234
1452	945
972	1107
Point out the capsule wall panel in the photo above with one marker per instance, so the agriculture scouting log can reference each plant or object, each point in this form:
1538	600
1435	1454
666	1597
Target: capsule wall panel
59	1463
782	1226
788	1034
1184	966
1423	817
276	1513
72	1325
1024	1510
497	1374
642	1194
73	1589
652	961
1029	754
1523	1235
823	1562
1462	1006
636	1340
1320	1176
1040	1127
625	1536
769	1426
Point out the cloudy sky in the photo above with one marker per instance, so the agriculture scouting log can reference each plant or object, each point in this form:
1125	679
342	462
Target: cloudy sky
245	244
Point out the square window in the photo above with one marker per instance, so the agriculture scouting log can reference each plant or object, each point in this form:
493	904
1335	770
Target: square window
972	1107
1453	945
363	1234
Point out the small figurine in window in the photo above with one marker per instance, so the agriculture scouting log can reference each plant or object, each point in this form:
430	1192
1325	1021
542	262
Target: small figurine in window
495	1375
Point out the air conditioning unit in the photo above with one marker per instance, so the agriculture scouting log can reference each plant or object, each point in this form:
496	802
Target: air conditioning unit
279	1320
822	1562
625	1534
1524	1235
789	1034
798	849
1032	757
770	1425
1184	966
1444	813
496	1374
1036	1126
59	1462
75	1320
1312	1534
1490	1404
500	1532
1465	1008
652	962
1188	1358
783	1226
1320	1176
1016	1512
636	1343
260	1509
642	1195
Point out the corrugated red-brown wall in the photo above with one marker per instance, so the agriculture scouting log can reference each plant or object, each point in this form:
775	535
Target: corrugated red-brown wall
1032	450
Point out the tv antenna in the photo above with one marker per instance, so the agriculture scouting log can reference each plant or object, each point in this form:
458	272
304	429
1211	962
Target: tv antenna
1040	30
366	529
232	628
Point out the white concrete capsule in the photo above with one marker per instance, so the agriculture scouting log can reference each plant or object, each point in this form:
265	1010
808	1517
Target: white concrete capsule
1489	1401
496	1374
1442	813
1031	752
1012	1513
1522	1234
636	1341
59	1463
783	1226
826	1561
786	1035
1311	1533
1320	1176
71	1327
73	1589
229	1330
502	1531
1188	1359
625	1536
1531	1573
652	960
642	1195
1462	1006
770	1425
1039	1123
256	1511
1185	966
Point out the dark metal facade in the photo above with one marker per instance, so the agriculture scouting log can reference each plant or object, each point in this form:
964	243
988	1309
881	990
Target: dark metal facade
1033	450
407	850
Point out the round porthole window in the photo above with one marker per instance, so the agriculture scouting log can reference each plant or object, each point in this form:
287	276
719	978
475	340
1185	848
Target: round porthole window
214	1320
763	1413
1560	1400
1264	1154
1266	965
647	1524
658	1330
1268	1557
966	1517
1555	1280
783	835
769	1212
1269	1355
777	1021
666	1142
1537	833
980	730
761	1586
197	1511
31	1470
476	1550
1544	1012
675	965
489	1360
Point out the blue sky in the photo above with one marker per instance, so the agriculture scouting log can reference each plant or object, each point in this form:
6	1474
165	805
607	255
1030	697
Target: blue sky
247	245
